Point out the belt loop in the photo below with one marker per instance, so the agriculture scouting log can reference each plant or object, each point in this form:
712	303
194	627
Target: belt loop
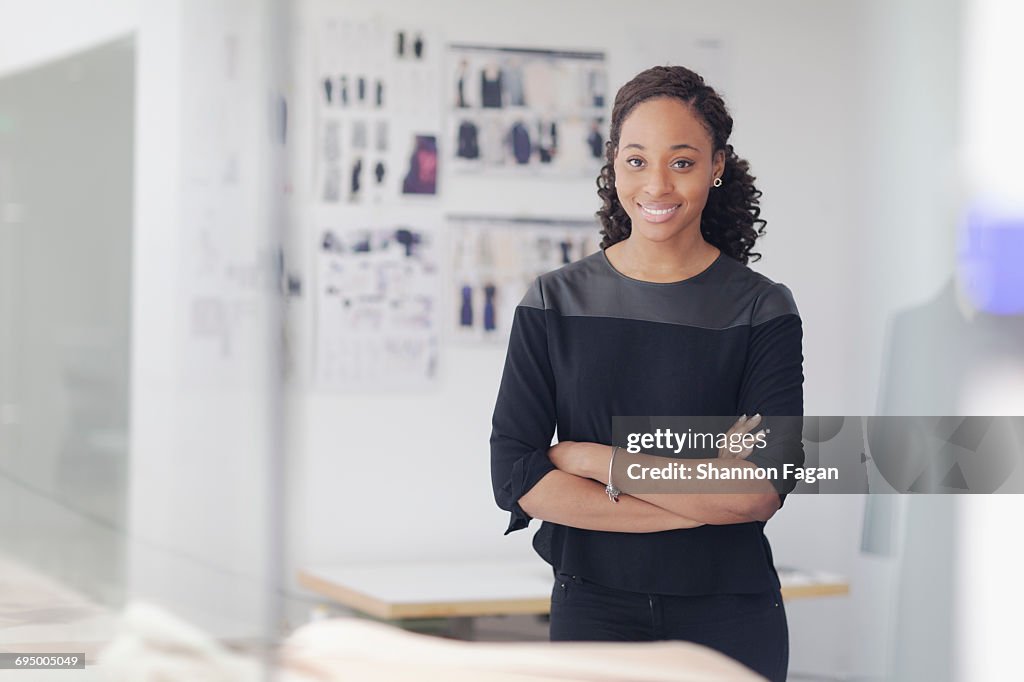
656	616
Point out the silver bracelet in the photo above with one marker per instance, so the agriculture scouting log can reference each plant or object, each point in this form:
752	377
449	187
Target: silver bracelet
611	490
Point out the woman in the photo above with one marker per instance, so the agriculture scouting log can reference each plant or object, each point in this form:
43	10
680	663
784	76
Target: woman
665	320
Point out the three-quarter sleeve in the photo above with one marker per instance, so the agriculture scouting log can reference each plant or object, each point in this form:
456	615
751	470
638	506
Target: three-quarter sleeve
772	383
524	414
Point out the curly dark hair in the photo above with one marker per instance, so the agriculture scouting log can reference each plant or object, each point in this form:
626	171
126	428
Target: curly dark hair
730	220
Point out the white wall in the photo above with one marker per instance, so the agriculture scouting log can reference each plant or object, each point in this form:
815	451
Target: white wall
36	32
205	423
896	203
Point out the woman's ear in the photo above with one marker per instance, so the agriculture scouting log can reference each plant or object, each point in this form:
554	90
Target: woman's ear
719	163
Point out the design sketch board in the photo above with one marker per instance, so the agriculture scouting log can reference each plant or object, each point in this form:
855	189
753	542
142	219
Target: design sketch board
377	113
494	260
526	111
377	297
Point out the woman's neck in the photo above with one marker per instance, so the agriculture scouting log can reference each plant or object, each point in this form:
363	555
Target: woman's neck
650	261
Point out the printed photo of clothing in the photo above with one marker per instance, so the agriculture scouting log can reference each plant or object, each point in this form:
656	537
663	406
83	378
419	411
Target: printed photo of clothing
514	91
468	141
520	139
539	86
357	170
421	178
596	86
490	324
596	141
466	306
332	144
574	152
359	134
332	184
490	87
546	138
492	142
467	95
568	88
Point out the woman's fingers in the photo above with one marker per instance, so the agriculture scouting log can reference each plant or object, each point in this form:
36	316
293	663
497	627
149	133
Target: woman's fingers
747	451
743	426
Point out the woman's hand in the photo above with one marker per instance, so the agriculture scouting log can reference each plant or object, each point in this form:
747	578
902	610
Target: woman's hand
743	426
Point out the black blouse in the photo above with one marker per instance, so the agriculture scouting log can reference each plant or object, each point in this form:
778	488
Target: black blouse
589	343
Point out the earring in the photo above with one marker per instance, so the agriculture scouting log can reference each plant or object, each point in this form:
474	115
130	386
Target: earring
717	182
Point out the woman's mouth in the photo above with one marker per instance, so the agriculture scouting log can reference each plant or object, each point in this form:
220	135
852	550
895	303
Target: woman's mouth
658	213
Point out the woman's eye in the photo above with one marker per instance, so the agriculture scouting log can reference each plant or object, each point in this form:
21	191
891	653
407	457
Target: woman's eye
639	162
683	163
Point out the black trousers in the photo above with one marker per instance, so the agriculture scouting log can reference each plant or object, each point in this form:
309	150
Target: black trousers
750	628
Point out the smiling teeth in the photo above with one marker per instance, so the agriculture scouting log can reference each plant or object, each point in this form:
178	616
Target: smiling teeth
657	212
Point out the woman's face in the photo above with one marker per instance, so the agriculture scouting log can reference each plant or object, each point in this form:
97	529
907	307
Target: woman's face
664	169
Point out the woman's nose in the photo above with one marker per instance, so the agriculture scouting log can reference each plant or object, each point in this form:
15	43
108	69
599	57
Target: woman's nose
658	182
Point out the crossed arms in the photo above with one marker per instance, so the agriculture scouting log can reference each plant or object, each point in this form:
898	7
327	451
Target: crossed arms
574	493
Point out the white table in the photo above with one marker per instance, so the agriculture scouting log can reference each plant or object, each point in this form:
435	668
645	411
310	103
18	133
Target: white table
462	590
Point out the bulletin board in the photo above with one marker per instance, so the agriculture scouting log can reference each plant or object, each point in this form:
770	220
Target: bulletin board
493	261
526	111
377	113
377	301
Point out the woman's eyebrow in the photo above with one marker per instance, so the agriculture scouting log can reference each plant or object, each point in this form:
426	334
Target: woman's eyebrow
673	147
